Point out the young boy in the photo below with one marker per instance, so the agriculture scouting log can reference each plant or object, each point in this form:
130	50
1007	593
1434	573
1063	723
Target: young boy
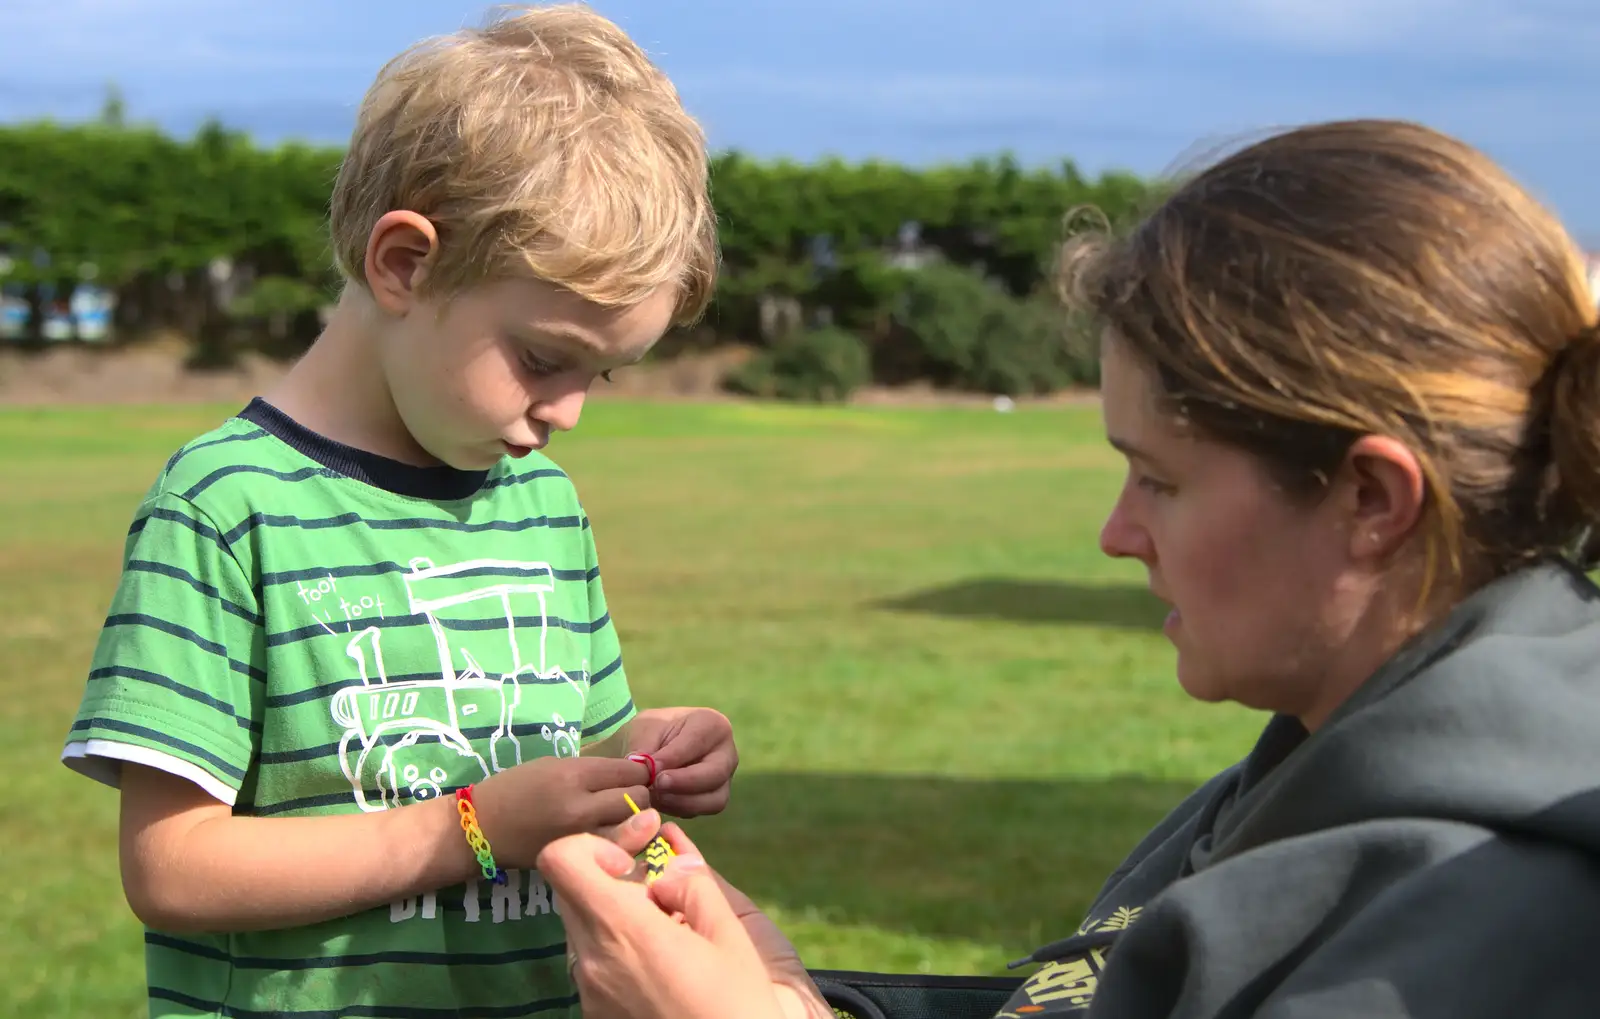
360	635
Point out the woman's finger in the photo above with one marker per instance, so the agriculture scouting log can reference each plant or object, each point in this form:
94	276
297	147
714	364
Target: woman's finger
583	869
688	887
679	840
681	844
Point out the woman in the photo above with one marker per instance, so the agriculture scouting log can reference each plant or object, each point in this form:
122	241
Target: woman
1355	372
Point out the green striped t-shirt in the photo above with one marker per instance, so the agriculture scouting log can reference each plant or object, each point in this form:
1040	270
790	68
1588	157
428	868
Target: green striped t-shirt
304	628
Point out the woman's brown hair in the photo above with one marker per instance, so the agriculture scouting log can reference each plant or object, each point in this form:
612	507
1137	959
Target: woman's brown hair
1373	277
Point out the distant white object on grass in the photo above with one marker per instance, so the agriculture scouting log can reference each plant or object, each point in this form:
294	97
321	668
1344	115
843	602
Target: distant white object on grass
1004	404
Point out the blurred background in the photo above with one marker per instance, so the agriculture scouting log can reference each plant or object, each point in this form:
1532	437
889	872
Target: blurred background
856	508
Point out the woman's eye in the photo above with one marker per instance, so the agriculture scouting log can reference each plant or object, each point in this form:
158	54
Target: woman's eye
1153	486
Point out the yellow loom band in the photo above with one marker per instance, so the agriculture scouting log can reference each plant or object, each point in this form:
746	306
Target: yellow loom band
656	854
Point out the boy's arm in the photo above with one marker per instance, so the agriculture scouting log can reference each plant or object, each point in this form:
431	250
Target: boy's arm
190	865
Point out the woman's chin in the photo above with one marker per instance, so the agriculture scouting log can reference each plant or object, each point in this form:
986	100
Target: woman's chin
1198	681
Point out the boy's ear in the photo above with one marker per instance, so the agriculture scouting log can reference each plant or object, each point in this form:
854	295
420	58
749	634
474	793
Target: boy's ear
399	250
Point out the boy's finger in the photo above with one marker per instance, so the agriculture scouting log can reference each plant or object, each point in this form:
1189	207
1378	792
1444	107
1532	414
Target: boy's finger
635	833
703	735
613	773
608	808
701	776
679	805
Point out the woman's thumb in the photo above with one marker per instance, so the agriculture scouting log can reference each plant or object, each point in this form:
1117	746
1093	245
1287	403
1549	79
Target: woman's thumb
687	887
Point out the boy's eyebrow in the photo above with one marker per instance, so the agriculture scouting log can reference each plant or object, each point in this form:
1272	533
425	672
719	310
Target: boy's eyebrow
577	337
555	332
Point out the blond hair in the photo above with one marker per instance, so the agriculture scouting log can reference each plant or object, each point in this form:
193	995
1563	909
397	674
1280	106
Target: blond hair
546	144
1374	277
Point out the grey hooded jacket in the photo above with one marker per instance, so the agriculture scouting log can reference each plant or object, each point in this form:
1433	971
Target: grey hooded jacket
1432	851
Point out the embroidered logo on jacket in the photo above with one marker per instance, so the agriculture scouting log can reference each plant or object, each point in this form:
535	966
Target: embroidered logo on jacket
1068	985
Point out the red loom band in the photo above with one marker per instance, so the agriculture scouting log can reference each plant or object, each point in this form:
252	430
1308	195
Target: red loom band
646	759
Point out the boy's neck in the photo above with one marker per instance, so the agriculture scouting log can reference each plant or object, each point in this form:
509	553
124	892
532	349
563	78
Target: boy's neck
338	390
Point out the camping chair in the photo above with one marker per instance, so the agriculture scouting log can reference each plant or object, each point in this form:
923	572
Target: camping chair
856	995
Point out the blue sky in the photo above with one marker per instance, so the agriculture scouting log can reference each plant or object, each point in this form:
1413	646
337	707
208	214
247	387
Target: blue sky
1137	84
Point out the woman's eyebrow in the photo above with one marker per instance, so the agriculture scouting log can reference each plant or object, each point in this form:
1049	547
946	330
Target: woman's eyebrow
1131	451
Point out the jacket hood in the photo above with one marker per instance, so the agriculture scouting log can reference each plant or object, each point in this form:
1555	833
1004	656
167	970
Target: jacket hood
1490	719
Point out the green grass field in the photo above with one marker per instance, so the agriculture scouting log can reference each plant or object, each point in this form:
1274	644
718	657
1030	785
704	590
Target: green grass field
954	714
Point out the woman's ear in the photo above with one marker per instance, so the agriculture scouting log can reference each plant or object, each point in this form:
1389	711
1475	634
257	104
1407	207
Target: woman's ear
1384	492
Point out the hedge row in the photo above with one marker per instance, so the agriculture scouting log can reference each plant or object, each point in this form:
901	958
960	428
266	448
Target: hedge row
934	272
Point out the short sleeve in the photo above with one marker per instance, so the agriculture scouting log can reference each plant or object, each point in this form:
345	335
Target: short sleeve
610	702
177	675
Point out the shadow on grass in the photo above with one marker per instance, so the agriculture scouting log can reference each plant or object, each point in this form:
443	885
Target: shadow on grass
1011	863
1037	601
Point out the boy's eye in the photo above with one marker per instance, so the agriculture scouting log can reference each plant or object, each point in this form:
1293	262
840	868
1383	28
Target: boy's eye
538	366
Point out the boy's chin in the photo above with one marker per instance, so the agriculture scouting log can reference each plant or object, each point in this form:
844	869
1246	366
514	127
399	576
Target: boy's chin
477	458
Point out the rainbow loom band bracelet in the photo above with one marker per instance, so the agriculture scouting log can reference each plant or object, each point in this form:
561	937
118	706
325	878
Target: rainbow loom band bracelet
475	839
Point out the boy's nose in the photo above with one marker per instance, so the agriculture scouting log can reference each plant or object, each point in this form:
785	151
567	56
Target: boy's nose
562	412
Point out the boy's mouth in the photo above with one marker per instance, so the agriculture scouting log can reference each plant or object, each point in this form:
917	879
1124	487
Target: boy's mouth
515	450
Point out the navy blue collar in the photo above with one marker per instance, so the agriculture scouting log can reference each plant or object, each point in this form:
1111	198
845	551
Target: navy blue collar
441	482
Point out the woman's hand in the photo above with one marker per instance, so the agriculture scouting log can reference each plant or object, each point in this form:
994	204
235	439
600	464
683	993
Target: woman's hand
629	959
678	948
796	992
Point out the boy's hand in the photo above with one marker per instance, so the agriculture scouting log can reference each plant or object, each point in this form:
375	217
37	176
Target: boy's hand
694	754
523	809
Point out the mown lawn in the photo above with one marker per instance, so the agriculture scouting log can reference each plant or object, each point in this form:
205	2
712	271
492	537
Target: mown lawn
954	714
